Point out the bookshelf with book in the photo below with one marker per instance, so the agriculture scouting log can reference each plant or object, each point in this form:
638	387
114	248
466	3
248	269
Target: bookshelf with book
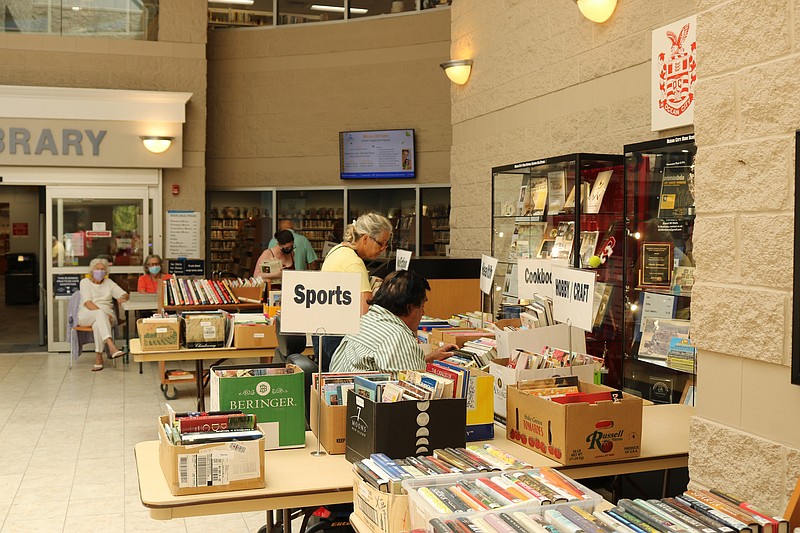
251	240
658	358
313	213
567	208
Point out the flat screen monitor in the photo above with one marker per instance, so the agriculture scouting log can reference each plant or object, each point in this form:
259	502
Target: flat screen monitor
377	154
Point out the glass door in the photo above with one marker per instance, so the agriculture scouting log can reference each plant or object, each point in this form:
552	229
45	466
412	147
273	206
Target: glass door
86	223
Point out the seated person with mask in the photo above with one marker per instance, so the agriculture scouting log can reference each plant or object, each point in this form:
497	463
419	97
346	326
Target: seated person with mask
387	341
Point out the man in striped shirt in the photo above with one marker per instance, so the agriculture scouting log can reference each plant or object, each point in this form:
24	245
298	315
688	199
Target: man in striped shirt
387	341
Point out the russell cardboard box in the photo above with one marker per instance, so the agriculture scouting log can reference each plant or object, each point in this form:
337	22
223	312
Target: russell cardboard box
576	433
332	430
230	465
159	334
401	429
254	336
382	511
275	393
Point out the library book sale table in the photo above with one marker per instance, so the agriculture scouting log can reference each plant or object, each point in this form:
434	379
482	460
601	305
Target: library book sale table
295	478
198	356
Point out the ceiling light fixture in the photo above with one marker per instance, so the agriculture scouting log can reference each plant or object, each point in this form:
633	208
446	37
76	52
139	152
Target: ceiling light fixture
338	9
235	2
597	10
157	145
458	70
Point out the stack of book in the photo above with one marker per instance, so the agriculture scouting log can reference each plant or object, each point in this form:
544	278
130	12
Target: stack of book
681	355
189	291
213	426
551	357
387	474
475	354
565	390
334	386
538	313
440	380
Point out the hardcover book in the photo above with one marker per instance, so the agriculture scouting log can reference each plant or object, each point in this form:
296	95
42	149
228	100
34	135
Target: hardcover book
556	182
538	190
595	199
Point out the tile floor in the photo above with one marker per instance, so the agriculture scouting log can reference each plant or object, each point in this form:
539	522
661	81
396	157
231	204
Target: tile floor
66	447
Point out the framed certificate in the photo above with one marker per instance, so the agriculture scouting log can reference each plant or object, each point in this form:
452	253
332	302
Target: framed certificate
656	268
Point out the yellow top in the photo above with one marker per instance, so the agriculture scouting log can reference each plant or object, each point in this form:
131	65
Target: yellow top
342	258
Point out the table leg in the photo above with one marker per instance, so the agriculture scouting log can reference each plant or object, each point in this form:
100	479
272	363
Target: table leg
665	485
270	520
127	335
201	395
287	521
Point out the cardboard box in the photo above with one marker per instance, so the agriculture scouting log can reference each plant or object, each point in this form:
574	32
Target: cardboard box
163	335
577	433
382	511
277	400
333	421
480	406
436	336
401	429
504	376
234	465
203	330
254	294
254	336
459	338
533	340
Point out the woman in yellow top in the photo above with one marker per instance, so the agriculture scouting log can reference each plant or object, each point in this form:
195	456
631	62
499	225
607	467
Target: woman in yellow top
364	239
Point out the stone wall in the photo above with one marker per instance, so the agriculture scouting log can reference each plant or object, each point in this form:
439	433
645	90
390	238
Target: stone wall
280	96
748	109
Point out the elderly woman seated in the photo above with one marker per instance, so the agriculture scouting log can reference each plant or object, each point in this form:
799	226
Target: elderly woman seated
97	309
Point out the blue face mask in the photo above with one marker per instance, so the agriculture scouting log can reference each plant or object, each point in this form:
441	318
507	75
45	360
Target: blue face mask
154	270
98	275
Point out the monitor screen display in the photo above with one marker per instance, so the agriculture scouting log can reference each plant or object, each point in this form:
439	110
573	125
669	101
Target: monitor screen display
377	154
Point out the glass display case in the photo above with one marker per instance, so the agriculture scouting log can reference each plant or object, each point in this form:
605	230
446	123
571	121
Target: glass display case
658	359
227	213
567	208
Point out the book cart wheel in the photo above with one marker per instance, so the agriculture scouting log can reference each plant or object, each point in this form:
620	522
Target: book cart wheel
165	389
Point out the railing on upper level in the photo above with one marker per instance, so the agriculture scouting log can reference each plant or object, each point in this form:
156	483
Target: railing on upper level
114	19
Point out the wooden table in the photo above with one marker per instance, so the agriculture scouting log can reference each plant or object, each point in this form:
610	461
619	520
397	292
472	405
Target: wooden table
198	356
295	478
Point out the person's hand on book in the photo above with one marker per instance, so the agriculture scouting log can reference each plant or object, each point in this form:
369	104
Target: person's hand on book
443	352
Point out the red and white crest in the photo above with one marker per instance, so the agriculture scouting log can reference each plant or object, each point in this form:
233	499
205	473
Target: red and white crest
675	73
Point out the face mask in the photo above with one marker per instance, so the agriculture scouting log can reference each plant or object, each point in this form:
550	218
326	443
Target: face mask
98	275
288	250
154	269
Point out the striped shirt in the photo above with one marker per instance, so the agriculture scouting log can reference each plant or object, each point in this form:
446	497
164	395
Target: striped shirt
384	343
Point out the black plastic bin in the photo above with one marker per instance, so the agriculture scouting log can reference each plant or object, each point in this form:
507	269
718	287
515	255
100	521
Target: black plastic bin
22	279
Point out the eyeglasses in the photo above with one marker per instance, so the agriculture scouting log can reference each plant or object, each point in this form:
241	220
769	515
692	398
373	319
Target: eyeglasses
379	243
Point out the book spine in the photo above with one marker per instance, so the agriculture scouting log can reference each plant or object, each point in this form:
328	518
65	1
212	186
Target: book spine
614	525
592	518
448	457
512	488
541	488
648	516
210	289
498	524
468	524
498	492
512	522
370	477
369	463
528	522
444	466
719	516
561	522
681	518
450	501
439	526
178	297
387	464
554	477
229	290
467	459
194	424
466	499
632	520
586	525
687	510
676	524
726	507
755	511
480	495
419	465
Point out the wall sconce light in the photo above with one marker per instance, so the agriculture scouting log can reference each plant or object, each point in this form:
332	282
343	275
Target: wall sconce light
597	10
457	70
157	145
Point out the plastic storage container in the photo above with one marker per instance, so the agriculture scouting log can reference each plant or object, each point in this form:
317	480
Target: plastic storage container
422	512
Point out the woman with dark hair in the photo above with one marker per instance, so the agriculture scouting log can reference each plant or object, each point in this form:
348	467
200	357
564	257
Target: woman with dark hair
387	341
275	260
153	274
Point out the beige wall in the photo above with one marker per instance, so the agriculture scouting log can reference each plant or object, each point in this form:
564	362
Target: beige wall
175	63
280	96
545	82
748	108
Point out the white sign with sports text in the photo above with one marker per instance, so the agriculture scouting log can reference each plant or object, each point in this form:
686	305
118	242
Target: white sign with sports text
573	297
320	302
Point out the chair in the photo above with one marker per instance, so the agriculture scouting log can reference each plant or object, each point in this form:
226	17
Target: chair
77	335
288	343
